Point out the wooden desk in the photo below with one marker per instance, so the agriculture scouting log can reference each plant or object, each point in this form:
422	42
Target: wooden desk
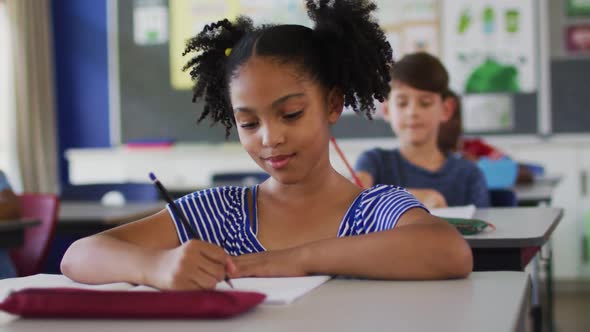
516	230
12	232
486	301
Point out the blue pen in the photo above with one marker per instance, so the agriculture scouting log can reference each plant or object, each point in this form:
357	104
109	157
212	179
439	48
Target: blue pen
179	214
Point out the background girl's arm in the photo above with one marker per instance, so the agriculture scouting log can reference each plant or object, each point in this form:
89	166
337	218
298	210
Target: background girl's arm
145	252
429	197
421	246
9	206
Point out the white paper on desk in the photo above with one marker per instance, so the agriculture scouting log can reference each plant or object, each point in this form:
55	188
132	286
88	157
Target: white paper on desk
277	290
58	281
464	212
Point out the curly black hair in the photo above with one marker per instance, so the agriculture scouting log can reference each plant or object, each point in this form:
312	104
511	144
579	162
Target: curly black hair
346	50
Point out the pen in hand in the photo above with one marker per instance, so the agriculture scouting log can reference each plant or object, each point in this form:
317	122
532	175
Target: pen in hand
179	214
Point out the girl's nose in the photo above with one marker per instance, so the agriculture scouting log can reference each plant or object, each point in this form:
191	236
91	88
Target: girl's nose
273	136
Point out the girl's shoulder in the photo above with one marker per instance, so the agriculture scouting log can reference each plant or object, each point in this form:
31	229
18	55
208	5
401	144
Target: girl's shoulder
384	194
380	207
225	196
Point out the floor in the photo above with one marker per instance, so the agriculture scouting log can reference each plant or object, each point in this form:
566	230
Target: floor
572	311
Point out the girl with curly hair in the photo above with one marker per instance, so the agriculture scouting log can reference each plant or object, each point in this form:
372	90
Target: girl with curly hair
282	87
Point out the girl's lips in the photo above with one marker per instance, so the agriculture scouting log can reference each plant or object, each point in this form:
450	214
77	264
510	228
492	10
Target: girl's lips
279	162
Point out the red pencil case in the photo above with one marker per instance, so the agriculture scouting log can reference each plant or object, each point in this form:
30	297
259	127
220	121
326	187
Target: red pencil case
83	303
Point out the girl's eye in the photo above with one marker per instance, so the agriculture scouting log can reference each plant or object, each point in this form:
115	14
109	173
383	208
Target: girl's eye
401	105
293	116
249	125
425	104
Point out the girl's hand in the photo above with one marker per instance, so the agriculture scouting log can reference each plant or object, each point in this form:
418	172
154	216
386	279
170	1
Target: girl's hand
435	199
193	265
431	198
278	263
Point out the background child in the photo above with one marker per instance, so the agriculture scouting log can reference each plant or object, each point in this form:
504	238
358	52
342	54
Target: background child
9	209
415	110
283	86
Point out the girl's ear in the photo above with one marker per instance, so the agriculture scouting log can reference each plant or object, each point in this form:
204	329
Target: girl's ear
449	108
335	105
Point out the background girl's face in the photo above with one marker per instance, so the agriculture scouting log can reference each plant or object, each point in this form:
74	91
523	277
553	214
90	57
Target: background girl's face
415	115
282	118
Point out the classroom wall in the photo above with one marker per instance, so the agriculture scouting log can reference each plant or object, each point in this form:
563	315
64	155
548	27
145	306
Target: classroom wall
81	75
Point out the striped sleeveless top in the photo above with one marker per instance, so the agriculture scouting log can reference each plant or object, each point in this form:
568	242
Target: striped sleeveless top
221	215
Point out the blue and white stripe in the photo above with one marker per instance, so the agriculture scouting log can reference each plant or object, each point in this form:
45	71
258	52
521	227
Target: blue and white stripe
220	215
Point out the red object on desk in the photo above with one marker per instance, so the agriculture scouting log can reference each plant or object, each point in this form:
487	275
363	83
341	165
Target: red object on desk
476	147
131	304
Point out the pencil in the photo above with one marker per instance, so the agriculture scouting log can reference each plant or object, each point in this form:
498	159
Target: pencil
341	154
178	213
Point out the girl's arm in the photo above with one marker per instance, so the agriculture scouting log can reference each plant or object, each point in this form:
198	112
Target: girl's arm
146	252
421	246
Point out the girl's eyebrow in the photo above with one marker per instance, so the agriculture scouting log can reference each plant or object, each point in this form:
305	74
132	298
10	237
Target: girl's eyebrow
285	98
274	104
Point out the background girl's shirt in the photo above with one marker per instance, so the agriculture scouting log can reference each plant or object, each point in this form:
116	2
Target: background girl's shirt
221	215
3	182
6	268
458	180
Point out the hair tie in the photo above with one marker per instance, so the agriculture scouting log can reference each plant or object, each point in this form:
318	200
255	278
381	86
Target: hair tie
228	51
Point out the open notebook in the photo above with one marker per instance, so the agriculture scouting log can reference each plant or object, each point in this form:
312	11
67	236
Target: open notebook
463	212
277	290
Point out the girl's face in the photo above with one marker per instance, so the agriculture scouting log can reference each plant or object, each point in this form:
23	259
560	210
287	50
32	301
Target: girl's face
415	115
283	119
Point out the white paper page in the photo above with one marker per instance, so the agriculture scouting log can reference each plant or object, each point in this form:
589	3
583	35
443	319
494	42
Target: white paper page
277	290
465	212
52	281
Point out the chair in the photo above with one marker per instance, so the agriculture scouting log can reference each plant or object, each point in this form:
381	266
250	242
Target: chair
30	257
503	198
499	174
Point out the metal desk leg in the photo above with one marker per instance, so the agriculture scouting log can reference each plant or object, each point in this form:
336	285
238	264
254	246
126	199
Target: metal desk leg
536	308
549	281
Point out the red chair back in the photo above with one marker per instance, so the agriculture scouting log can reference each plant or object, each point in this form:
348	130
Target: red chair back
30	257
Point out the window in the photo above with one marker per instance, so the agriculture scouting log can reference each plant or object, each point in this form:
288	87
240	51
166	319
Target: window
8	159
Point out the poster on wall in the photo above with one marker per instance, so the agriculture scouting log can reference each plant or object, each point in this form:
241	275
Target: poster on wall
187	18
410	25
490	45
488	113
150	23
577	7
577	38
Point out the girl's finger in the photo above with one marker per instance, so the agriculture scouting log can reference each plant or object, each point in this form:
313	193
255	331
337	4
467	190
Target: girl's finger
213	268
